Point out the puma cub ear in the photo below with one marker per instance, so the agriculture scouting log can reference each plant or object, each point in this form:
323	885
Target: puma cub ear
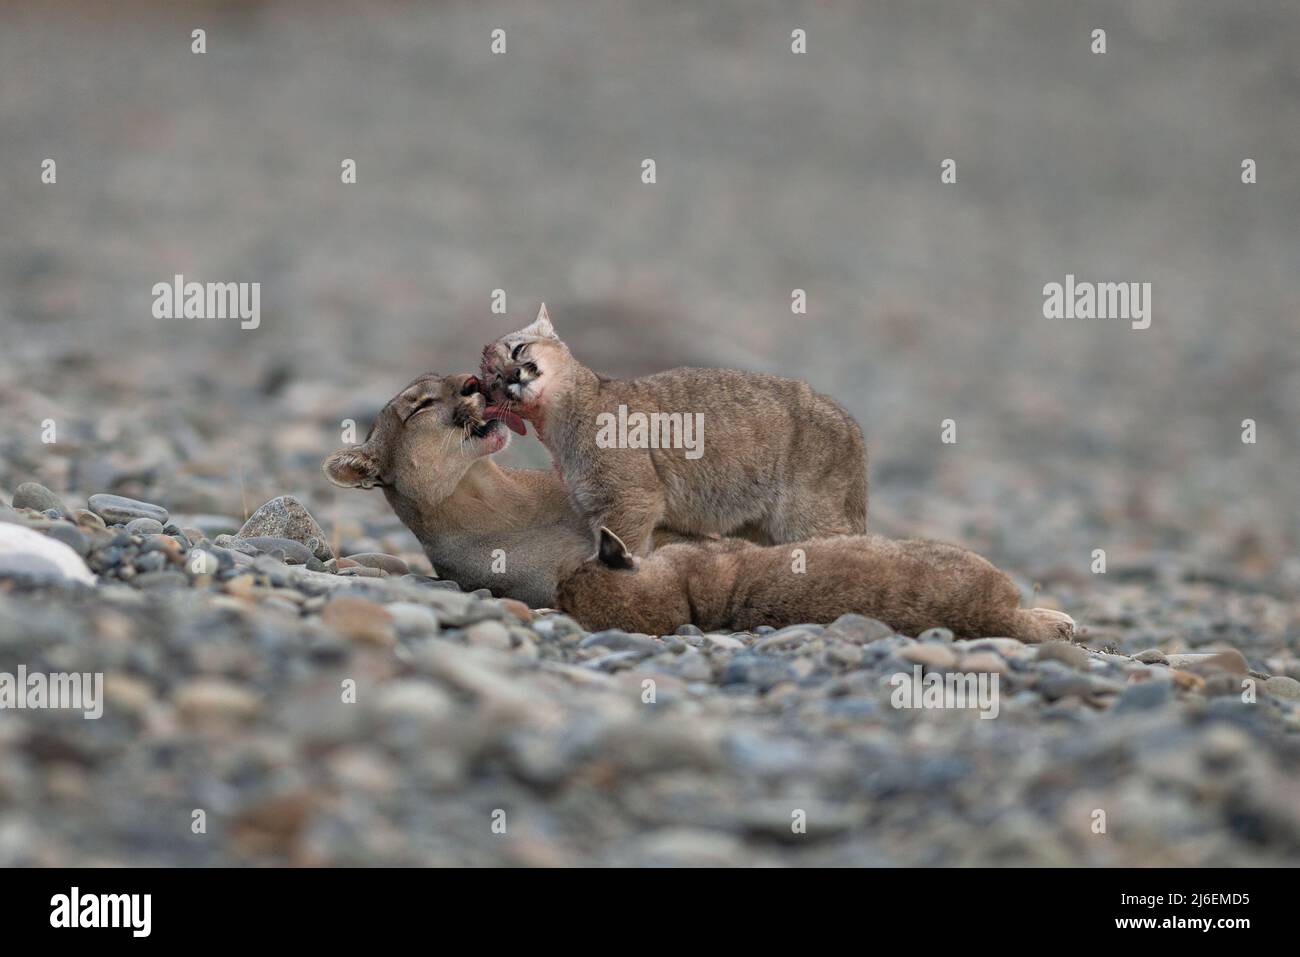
541	326
613	553
352	468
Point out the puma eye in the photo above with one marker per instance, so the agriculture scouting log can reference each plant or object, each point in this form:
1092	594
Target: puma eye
423	404
514	353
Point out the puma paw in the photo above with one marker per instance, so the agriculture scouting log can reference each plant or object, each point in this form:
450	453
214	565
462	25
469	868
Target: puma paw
1057	624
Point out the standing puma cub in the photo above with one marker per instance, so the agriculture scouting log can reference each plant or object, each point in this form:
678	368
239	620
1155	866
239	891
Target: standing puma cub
779	463
736	585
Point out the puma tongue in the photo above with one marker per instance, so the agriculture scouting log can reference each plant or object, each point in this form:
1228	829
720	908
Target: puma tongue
512	421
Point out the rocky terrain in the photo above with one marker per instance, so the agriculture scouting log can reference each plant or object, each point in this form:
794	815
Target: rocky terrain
225	657
327	710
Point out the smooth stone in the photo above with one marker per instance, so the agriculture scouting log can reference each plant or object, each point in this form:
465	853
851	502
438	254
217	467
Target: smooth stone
295	553
1152	656
215	698
118	509
935	634
760	670
984	661
209	526
489	634
1143	696
286	517
410	618
1228	659
789	637
1280	686
70	535
858	628
930	654
360	619
389	563
622	641
1064	652
25	553
87	519
150	562
722	642
161	579
361	571
37	497
144	526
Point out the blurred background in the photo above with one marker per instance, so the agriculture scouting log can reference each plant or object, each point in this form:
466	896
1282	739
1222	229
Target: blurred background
775	171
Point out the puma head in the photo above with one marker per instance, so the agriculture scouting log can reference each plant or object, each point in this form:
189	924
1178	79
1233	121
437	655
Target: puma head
519	367
430	432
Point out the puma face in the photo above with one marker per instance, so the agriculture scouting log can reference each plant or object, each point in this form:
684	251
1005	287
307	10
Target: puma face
519	367
431	431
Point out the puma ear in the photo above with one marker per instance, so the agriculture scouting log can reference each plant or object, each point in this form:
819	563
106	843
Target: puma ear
613	553
541	326
352	468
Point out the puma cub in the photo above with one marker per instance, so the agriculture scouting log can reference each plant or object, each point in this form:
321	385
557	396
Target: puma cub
699	451
430	450
736	585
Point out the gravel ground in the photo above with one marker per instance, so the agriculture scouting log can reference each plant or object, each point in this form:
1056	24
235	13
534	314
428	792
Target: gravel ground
224	673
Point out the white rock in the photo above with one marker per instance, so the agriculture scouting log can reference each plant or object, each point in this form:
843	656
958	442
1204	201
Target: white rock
23	550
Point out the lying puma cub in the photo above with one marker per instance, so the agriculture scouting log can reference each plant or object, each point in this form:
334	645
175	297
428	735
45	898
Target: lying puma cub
483	526
780	463
734	585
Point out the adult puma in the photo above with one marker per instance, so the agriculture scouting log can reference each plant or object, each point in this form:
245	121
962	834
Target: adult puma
482	525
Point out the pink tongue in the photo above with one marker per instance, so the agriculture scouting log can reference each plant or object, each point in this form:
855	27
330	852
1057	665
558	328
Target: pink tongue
512	421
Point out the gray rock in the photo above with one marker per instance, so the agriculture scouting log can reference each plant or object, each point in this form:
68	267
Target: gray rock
286	517
144	526
35	496
1144	696
859	629
762	671
118	509
70	535
295	553
389	563
622	641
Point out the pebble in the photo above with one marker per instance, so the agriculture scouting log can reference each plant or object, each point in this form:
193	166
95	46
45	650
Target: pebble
37	497
25	553
489	634
1202	663
1281	686
144	526
208	698
295	553
983	661
286	517
70	535
118	510
930	655
85	518
622	641
1064	652
859	629
389	563
1143	696
360	619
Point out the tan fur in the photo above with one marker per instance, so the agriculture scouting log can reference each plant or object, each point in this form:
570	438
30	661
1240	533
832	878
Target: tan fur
734	585
780	462
442	483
